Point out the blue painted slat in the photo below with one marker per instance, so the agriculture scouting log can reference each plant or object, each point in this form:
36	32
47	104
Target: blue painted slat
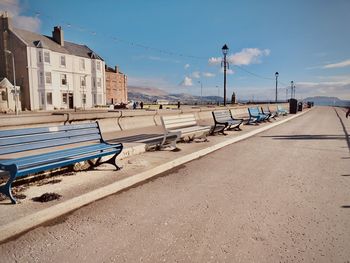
56	154
48	144
45	136
62	163
28	131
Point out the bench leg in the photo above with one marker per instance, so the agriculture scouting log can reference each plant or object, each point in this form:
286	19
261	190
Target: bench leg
6	189
112	161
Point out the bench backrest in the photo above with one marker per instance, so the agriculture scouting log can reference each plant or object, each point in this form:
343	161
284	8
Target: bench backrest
266	110
19	140
178	121
222	115
254	111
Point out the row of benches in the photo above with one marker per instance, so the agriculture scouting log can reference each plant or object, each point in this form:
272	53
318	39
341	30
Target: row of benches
47	148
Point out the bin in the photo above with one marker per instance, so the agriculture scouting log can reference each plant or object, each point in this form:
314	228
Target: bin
300	106
293	106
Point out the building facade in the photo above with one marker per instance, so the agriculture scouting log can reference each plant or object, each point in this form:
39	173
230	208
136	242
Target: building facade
52	73
116	86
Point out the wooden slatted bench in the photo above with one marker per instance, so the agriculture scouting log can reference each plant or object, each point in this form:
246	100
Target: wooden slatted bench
224	120
152	141
186	124
255	116
266	110
59	146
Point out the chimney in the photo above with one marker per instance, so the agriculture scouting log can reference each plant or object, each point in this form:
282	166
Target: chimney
5	22
116	69
57	35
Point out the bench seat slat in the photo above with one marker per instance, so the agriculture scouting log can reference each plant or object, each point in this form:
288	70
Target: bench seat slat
52	155
62	163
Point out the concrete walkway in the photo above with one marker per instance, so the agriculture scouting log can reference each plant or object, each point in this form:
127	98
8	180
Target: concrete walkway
86	187
282	195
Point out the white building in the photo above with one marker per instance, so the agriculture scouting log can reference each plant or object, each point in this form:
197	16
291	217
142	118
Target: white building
52	73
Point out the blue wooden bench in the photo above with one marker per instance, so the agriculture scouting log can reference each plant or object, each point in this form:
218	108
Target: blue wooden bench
34	150
223	119
281	110
255	116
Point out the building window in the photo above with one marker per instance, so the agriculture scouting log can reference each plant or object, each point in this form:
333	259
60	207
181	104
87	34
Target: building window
94	82
3	95
41	78
83	99
64	98
63	61
48	79
63	79
98	65
42	98
98	82
82	64
40	57
82	81
94	99
49	98
47	57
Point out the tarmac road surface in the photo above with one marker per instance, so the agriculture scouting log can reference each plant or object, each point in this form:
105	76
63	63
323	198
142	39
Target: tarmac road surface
282	195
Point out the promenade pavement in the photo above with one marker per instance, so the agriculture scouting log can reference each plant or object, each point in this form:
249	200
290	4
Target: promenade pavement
79	189
279	196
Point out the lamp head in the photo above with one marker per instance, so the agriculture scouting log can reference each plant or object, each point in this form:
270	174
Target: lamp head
225	49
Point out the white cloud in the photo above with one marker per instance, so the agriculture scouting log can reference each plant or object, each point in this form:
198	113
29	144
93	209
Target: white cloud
228	71
14	10
196	74
186	66
187	82
338	88
342	64
208	74
214	61
246	56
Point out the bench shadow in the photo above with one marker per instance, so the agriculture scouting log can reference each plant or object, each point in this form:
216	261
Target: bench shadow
345	206
345	175
347	138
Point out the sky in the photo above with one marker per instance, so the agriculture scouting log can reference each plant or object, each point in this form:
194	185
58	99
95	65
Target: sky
176	45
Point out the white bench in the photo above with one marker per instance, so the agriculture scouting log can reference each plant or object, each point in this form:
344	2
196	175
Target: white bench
186	124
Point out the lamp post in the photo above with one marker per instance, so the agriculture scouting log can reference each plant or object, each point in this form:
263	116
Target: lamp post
276	75
286	93
226	65
291	89
14	80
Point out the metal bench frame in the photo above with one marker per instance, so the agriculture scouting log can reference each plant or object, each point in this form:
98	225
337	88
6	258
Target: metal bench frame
48	139
225	121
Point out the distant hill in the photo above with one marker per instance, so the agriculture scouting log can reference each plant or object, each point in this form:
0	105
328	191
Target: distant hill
150	95
328	101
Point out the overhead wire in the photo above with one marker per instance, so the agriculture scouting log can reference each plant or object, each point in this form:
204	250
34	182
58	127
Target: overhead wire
134	44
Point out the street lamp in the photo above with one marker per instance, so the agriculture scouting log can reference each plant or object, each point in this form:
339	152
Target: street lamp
14	80
226	65
276	75
291	89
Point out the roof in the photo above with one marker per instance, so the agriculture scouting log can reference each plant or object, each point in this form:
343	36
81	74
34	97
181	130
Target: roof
5	83
40	41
